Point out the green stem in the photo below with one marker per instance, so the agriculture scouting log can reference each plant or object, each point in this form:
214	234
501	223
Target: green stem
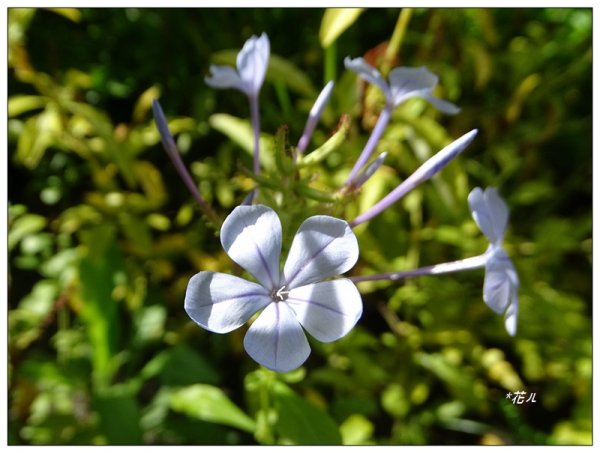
393	47
330	63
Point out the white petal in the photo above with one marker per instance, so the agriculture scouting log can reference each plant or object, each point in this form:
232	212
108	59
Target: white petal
251	236
369	73
323	247
510	318
404	82
442	105
221	302
490	213
327	310
276	339
252	62
223	77
501	281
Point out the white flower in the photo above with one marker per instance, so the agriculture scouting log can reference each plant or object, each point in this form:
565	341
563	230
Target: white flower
299	296
252	63
501	284
404	83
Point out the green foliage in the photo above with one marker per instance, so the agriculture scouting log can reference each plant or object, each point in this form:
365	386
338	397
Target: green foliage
103	237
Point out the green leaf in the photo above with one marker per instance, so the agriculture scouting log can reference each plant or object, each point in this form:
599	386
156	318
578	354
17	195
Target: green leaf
240	131
24	226
357	430
302	422
119	416
40	132
114	150
97	272
180	366
210	404
24	103
335	21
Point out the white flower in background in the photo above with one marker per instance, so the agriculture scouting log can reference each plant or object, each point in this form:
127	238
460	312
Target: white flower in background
300	296
252	63
501	284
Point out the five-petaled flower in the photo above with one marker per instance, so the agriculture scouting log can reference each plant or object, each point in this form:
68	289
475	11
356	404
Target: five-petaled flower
301	295
501	283
404	83
252	63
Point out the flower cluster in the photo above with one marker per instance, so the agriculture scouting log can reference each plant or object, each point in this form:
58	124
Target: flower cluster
302	295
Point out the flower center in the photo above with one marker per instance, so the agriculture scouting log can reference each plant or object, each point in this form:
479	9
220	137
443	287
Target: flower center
279	295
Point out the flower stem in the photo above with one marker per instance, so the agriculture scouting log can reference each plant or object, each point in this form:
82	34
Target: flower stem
380	126
255	118
475	262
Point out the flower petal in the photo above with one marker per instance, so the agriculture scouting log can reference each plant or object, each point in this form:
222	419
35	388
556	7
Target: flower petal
510	318
252	62
327	310
369	73
223	77
221	302
443	106
408	82
323	247
276	339
251	236
501	282
490	213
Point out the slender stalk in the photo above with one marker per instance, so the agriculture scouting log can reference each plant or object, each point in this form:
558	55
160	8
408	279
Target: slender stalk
330	63
380	126
171	148
255	119
475	262
395	42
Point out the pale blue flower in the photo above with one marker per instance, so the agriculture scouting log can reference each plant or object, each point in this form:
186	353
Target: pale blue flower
404	83
501	284
252	62
299	296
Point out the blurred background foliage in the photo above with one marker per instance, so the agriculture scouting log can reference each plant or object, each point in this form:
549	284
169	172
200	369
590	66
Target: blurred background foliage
103	236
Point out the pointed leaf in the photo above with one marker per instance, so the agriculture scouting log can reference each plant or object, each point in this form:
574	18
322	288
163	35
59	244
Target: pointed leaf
210	404
335	21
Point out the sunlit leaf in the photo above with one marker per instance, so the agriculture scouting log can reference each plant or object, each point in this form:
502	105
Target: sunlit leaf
20	104
240	131
335	21
210	404
24	226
